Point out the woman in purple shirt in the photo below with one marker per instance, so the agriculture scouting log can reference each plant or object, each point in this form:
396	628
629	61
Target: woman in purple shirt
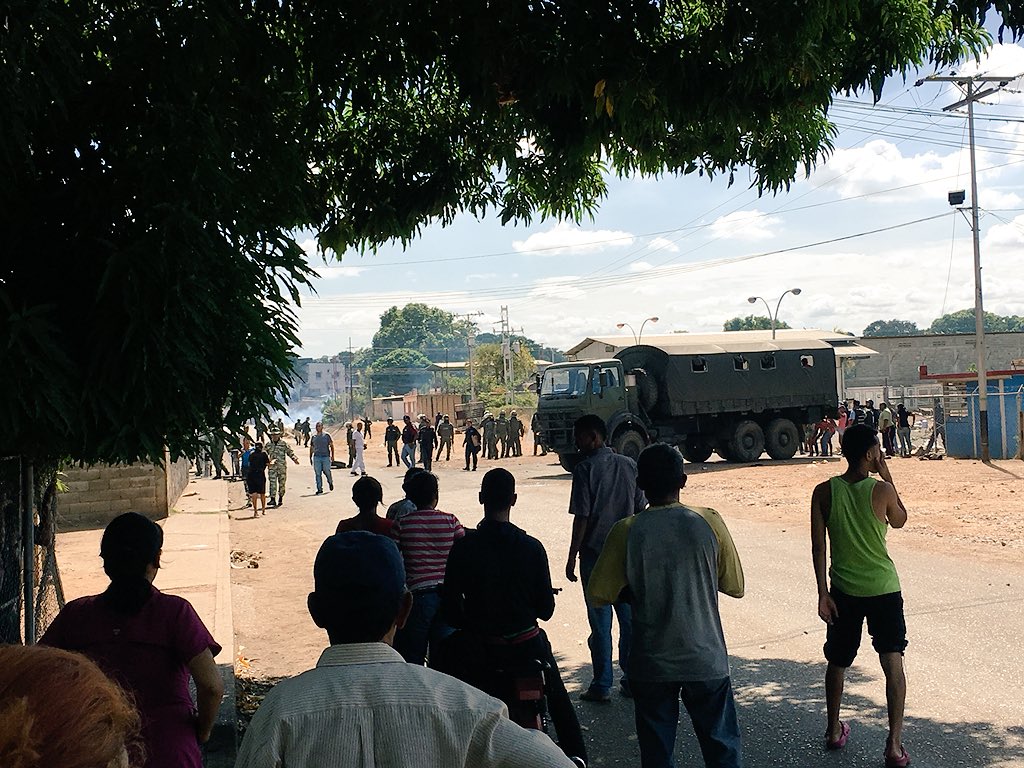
149	642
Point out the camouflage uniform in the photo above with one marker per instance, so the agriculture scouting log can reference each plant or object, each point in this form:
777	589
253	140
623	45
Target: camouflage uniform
279	452
502	431
445	436
490	438
515	435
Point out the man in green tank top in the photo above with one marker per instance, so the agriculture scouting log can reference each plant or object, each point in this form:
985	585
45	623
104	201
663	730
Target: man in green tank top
854	512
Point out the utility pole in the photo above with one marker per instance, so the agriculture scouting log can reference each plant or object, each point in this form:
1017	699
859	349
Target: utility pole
351	406
470	343
507	354
969	85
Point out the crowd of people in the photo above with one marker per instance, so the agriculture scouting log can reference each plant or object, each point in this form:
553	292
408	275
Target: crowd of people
424	618
893	424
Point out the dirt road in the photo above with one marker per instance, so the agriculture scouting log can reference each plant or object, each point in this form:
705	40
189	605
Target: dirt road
960	558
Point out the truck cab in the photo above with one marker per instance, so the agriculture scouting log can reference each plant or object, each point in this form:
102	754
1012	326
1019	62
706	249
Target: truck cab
569	390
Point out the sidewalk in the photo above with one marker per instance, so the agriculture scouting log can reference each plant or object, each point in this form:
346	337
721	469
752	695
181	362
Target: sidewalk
196	565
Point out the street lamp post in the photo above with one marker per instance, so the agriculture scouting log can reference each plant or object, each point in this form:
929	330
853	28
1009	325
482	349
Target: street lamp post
773	318
637	337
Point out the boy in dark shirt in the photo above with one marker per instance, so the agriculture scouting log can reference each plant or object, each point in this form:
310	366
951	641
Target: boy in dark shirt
496	586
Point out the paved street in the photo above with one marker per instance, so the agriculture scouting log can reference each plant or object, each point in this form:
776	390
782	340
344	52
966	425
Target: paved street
963	604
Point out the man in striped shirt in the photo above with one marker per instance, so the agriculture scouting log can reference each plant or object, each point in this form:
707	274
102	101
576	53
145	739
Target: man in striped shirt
425	537
362	706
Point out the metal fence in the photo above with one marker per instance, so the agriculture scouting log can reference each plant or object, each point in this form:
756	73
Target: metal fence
1005	424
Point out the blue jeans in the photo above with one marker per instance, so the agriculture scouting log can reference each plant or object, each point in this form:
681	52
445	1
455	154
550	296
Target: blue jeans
713	713
409	455
600	640
423	627
322	465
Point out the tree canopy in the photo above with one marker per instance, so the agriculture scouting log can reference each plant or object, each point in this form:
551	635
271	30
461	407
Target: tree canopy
752	323
158	159
891	328
962	321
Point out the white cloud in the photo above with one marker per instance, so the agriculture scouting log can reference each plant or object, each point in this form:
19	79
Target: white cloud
568	238
640	266
332	273
662	244
748	226
1005	235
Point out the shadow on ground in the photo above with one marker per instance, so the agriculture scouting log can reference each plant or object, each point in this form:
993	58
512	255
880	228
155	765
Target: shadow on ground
781	713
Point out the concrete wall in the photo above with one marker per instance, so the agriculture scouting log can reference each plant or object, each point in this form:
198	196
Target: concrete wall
899	357
97	494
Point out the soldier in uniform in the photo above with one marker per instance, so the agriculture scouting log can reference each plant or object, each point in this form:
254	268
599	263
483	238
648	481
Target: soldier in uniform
279	452
515	435
538	439
306	429
490	437
351	444
392	435
445	436
501	431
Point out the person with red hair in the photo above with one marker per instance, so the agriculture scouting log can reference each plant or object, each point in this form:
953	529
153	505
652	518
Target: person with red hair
58	710
149	642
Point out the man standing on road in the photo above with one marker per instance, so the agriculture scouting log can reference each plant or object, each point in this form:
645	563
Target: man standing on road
490	436
321	454
362	706
279	452
428	441
538	438
672	561
358	445
501	432
853	511
305	433
604	491
408	443
471	442
938	428
445	438
392	435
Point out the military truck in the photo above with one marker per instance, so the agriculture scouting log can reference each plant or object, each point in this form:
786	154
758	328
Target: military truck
738	400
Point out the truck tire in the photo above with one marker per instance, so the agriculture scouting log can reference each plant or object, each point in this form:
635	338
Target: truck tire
629	443
569	461
782	439
646	389
695	450
747	441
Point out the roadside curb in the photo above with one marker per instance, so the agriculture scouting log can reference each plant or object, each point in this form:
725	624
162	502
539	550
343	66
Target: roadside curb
222	748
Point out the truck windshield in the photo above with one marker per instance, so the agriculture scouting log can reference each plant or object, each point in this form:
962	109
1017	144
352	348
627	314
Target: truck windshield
565	382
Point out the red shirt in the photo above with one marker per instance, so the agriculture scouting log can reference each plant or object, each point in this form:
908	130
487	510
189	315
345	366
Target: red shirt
148	654
425	538
378	525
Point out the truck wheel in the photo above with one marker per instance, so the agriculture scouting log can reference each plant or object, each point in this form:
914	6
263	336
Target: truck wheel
629	442
747	441
695	451
569	461
782	439
647	389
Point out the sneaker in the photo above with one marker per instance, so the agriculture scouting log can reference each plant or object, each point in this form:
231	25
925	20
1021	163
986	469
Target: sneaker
318	493
596	695
330	486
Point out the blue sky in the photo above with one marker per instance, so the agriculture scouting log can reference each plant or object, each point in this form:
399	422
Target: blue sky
689	250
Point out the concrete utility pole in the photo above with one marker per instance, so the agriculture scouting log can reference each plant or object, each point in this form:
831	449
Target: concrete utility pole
508	366
969	85
470	343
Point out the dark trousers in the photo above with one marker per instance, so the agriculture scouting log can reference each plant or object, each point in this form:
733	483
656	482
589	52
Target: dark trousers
393	449
474	661
424	628
712	711
471	456
427	457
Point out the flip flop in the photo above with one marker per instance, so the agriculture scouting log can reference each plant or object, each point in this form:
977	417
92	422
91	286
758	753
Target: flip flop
898	762
844	736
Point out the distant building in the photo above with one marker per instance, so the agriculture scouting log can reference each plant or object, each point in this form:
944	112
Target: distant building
315	380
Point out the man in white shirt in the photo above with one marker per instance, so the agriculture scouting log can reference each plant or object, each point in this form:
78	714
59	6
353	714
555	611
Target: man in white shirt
362	705
358	443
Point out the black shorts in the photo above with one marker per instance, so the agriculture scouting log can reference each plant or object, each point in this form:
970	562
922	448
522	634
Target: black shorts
886	625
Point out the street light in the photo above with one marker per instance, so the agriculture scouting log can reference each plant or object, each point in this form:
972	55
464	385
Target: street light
773	318
637	337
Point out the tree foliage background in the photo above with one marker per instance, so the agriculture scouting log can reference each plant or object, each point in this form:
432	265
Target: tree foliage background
752	323
157	158
960	321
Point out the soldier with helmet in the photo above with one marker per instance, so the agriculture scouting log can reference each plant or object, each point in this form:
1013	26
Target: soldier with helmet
516	430
490	436
445	437
501	430
279	452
